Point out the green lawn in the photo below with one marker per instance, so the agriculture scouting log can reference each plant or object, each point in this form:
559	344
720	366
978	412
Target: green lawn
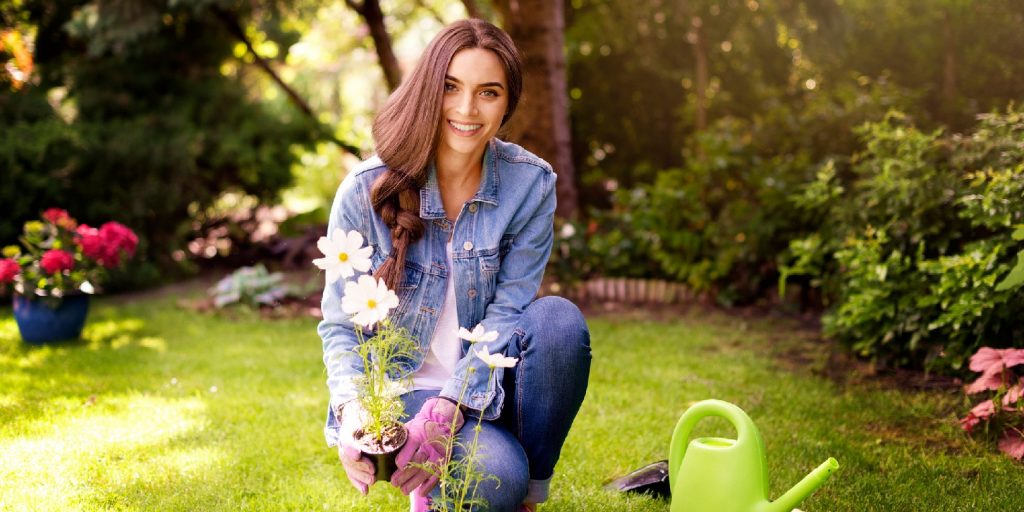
161	408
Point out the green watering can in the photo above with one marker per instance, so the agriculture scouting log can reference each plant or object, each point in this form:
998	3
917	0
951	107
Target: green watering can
715	474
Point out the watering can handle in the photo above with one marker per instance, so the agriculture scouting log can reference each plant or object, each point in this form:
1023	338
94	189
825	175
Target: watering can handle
698	411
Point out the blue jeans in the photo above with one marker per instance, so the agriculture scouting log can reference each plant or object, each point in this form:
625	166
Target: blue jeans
543	394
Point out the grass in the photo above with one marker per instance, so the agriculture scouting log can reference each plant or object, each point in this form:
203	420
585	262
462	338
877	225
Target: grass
160	408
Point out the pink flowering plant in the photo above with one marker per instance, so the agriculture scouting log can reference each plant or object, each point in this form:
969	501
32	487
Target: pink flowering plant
58	256
1002	413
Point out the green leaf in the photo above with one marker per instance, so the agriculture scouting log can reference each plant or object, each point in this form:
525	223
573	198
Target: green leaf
1019	233
1016	276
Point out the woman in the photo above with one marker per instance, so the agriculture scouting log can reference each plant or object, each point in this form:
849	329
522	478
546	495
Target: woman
461	227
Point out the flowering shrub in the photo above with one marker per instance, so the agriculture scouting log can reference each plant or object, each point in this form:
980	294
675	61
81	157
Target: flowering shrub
1003	412
919	243
369	300
58	256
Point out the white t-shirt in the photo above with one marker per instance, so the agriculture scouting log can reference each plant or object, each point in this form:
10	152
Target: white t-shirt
445	346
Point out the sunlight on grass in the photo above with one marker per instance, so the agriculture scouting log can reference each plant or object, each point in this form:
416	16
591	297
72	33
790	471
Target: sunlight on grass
33	359
8	328
163	409
119	334
125	438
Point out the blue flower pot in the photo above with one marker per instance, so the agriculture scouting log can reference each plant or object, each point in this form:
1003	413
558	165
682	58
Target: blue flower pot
40	323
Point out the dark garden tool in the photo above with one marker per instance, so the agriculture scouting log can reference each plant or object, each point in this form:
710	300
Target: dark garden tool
651	479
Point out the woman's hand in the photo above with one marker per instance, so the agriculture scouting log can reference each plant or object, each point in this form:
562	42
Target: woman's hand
438	420
359	469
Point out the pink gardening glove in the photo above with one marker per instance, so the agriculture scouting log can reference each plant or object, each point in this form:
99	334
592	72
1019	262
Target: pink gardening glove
359	469
429	432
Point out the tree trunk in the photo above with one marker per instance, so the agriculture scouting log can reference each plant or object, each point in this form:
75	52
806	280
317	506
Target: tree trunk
541	122
472	11
371	13
949	68
696	39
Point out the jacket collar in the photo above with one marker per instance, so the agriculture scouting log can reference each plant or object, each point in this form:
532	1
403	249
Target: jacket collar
431	206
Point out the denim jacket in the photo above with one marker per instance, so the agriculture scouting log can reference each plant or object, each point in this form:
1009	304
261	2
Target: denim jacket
501	241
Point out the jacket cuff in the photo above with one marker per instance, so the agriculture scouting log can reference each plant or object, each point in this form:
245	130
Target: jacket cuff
538	491
332	429
472	397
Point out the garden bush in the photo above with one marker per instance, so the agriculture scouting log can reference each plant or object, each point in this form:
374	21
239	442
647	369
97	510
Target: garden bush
715	223
916	241
718	218
130	117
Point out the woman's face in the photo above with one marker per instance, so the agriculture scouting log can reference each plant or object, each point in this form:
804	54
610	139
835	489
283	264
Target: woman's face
475	101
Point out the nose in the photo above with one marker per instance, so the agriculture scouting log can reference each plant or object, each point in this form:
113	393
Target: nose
467	104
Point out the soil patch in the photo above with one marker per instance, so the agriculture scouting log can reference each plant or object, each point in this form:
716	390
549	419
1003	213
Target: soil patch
394	436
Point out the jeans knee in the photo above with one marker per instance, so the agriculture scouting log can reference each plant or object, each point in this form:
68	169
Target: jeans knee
508	491
554	314
502	488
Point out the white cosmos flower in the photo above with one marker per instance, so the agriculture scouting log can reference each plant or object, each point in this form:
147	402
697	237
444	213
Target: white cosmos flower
495	360
393	388
368	300
478	334
344	254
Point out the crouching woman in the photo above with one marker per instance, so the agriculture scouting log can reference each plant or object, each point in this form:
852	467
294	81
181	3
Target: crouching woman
461	226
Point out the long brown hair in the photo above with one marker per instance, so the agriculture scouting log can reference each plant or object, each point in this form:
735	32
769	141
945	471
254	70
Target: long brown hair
407	128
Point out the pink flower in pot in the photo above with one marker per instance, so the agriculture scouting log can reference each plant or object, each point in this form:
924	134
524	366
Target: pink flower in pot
60	217
56	261
107	244
9	269
58	264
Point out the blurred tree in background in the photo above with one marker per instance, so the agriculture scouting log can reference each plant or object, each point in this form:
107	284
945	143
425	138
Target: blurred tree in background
129	115
638	70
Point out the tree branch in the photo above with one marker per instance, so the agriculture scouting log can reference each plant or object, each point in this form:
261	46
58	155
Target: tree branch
356	7
472	10
232	25
433	12
371	13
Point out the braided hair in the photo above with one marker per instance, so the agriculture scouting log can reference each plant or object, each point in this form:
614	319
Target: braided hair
407	129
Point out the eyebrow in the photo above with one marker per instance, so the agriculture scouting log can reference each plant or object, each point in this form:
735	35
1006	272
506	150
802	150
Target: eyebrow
488	84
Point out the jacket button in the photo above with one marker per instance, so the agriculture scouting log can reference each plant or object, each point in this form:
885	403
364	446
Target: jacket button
471	293
472	208
468	245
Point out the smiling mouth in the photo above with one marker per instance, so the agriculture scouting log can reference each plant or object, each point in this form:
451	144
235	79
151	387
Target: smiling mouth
465	129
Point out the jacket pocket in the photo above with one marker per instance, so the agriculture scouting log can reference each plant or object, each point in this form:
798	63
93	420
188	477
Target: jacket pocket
490	264
505	245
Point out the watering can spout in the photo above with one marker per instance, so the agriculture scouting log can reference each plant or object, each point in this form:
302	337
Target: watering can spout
803	488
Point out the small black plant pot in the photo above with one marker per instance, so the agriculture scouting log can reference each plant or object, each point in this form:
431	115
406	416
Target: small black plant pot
385	464
383	457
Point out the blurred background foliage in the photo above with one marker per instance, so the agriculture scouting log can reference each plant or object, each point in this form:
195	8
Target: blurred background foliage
858	156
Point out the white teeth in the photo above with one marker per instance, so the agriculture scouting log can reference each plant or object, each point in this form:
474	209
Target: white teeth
464	127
